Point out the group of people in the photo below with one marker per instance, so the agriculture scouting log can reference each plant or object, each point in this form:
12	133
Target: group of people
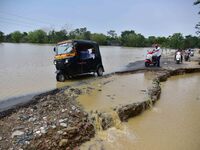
156	52
186	53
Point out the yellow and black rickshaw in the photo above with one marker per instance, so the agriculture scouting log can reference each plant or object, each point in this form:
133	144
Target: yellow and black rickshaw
75	57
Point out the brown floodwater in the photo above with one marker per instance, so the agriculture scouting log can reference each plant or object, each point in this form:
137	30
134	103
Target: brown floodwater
173	123
28	68
116	90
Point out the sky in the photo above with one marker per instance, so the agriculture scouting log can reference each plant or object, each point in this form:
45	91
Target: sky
148	17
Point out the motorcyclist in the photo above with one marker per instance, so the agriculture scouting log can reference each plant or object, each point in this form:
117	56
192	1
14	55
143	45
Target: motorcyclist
187	53
179	50
158	52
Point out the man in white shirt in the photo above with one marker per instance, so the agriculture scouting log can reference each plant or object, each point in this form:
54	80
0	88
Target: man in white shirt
158	54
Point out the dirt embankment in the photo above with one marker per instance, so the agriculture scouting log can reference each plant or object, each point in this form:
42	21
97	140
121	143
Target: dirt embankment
131	110
55	120
51	121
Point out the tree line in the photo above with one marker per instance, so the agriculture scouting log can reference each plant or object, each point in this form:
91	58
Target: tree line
127	38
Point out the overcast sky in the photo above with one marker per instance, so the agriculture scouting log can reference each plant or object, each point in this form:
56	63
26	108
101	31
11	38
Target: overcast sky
148	17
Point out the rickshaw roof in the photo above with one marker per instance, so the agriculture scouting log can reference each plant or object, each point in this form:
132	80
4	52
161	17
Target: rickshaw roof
84	42
63	42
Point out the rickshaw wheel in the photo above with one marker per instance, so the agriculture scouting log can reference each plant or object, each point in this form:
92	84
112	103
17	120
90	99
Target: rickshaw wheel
100	71
60	77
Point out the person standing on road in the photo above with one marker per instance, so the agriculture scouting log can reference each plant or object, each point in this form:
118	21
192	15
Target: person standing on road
158	54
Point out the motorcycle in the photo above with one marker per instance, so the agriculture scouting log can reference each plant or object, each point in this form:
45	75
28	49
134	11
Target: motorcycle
150	59
178	58
187	56
191	53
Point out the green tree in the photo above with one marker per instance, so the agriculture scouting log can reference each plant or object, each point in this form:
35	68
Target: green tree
197	2
125	37
99	38
37	36
197	27
176	41
87	35
16	36
131	39
8	38
80	33
57	36
150	41
1	37
61	35
191	42
112	34
24	37
162	41
112	38
140	40
52	37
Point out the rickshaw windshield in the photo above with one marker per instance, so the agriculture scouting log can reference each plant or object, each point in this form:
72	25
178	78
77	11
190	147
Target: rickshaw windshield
64	48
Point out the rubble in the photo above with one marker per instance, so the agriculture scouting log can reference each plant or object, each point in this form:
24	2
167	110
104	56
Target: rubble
63	143
17	133
43	124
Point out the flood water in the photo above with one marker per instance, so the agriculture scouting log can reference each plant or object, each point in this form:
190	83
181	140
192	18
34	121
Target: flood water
28	68
116	90
173	123
25	69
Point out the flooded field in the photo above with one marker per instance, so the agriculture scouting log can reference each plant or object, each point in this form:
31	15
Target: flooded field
25	69
173	123
28	68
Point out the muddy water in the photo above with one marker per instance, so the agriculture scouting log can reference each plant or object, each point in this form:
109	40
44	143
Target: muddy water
116	90
174	122
28	68
115	58
25	68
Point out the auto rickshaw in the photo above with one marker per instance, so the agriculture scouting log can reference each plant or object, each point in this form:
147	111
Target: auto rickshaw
75	57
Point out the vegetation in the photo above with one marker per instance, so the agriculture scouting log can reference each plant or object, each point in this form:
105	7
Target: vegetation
16	36
127	38
38	36
197	2
1	36
99	38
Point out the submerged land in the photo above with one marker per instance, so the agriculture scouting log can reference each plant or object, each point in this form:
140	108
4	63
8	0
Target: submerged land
63	118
